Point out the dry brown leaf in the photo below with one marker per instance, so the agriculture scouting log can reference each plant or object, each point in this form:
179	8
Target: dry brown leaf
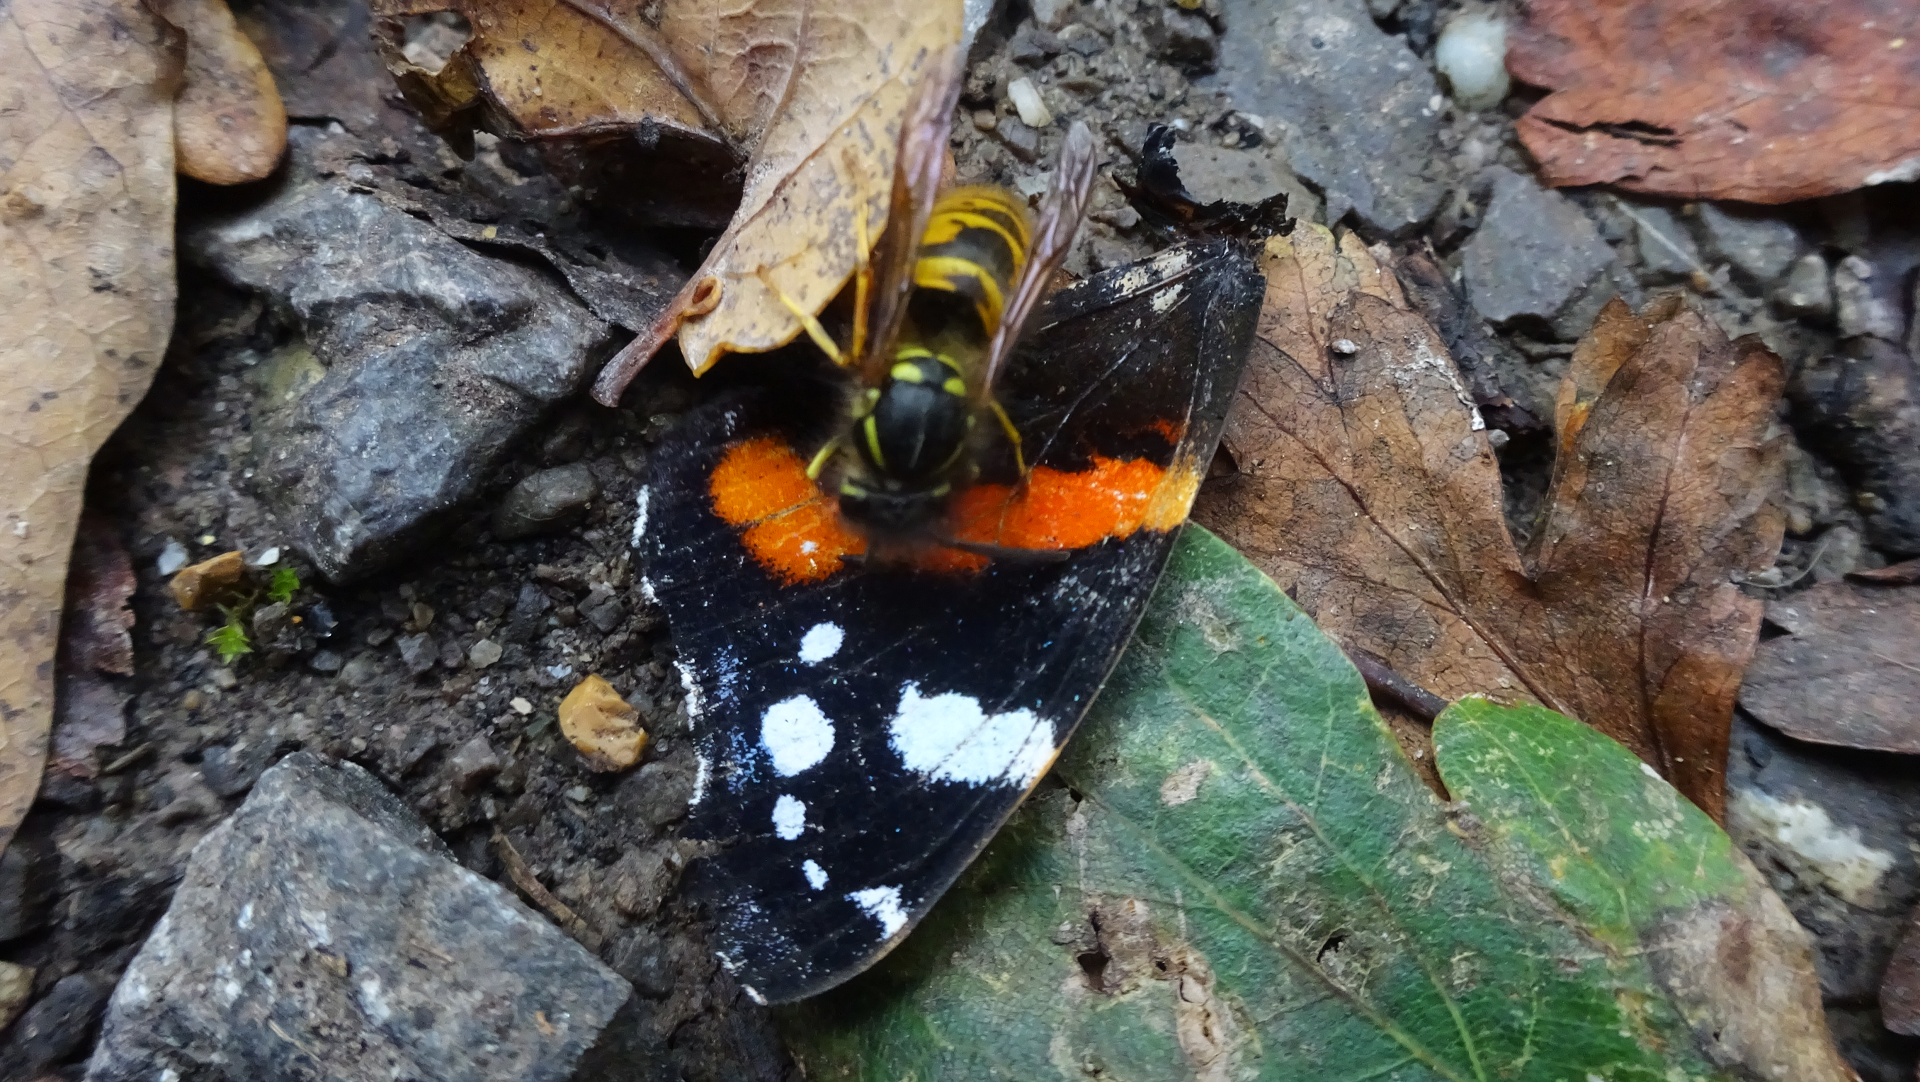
229	124
1368	489
1765	101
86	235
808	95
602	726
1846	672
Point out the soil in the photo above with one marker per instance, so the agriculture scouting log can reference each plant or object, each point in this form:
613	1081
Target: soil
104	852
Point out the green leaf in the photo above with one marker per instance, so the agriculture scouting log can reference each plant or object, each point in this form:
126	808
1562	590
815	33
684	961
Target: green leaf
285	583
230	640
1236	874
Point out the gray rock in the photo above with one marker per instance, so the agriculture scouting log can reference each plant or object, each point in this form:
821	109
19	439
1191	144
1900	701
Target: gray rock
55	1028
323	932
1859	311
1352	103
1016	136
418	652
1861	409
473	764
1807	292
1533	257
229	771
1758	248
28	880
437	360
326	662
1666	251
1183	38
1213	172
545	501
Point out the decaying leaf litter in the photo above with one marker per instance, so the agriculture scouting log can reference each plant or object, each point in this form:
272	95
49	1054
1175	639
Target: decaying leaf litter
348	751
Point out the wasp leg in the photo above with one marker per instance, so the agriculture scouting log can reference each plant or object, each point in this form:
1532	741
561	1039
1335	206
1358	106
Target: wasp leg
862	281
813	328
1013	437
820	460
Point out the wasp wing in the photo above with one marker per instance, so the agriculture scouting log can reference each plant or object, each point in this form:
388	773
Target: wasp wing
916	183
1060	214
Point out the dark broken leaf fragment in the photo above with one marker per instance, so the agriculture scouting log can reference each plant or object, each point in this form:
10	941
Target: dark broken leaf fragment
1846	672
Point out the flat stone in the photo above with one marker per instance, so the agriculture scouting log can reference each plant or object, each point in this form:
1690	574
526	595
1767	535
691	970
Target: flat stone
56	1027
1808	290
1758	248
324	932
1353	105
545	501
1858	310
437	360
1249	176
1860	409
1535	253
1665	248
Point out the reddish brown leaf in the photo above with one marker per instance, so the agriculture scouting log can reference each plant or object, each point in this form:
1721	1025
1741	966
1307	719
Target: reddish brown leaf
1900	574
1368	489
1765	101
1846	672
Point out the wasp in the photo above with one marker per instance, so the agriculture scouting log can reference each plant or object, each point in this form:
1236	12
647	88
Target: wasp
937	311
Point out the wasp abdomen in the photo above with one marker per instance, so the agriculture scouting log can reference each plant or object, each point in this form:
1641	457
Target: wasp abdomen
973	250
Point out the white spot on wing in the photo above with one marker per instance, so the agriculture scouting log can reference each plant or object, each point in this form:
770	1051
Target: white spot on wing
702	773
883	905
950	738
816	875
1168	297
821	642
696	706
796	735
640	514
789	817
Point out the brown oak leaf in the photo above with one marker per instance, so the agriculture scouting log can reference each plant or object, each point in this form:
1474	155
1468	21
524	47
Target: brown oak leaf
1368	489
1765	101
809	96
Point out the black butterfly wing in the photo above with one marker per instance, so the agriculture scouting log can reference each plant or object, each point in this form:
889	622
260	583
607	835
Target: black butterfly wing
862	735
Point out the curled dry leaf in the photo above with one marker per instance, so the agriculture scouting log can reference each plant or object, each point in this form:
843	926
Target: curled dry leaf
86	306
1846	672
809	96
229	124
602	726
1369	489
1765	101
90	709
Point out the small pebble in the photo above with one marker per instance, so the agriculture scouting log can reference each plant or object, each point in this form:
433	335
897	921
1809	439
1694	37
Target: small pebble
359	671
223	678
1028	103
520	705
326	661
418	653
1472	55
473	763
172	558
545	501
579	794
483	653
983	119
1807	293
265	558
197	587
194	699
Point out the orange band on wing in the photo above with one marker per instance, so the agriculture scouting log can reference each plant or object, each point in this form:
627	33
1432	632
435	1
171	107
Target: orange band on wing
795	531
792	528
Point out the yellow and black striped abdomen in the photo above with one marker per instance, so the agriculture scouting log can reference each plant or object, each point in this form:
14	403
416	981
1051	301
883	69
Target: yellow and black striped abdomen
974	247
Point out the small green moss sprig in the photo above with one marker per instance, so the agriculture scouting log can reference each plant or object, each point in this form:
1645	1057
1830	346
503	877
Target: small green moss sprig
231	640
